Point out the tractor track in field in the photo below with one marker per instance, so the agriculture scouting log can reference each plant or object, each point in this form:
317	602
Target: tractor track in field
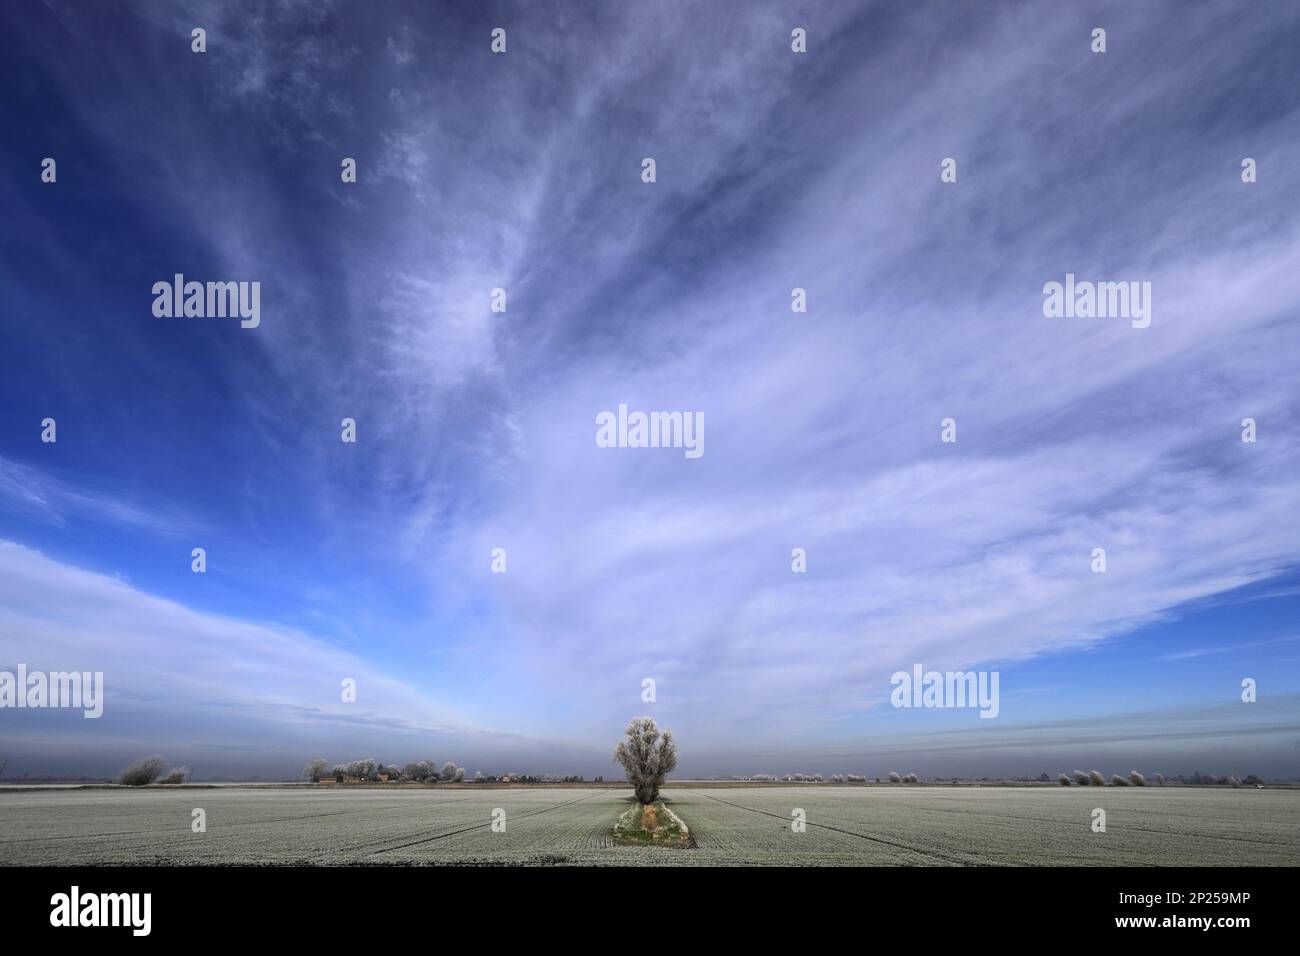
477	826
225	826
853	833
993	817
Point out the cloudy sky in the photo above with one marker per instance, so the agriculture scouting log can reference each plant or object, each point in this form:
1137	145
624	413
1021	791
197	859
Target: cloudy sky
775	170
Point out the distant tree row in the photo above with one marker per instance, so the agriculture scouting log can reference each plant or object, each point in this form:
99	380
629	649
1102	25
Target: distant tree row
905	778
801	778
1094	778
370	770
1250	780
817	778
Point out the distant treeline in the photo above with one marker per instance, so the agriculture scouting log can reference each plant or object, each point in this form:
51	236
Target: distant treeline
369	770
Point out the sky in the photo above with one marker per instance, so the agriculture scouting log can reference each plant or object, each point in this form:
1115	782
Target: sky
371	561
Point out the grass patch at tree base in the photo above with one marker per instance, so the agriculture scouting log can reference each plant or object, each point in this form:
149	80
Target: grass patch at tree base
652	825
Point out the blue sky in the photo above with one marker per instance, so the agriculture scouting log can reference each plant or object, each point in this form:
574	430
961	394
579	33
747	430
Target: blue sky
775	170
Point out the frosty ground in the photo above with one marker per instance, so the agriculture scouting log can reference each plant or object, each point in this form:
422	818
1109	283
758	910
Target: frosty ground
875	826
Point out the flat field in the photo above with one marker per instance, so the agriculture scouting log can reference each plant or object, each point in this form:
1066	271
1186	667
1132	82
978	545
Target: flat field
846	826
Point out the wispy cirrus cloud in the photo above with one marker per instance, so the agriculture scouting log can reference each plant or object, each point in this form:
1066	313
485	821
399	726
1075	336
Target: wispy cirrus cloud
248	697
1226	648
775	171
36	493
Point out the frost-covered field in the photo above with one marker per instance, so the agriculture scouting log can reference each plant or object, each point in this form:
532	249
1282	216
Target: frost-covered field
909	826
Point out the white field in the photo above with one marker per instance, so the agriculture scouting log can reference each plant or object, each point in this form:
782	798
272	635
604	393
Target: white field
874	826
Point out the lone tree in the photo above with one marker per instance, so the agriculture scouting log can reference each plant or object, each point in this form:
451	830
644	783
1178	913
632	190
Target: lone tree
647	757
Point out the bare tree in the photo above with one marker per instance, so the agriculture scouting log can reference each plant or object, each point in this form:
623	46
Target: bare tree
1137	779
315	770
176	776
647	757
1064	779
451	773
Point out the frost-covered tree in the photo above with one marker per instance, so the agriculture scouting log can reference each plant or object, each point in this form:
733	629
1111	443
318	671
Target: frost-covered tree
451	773
1096	779
894	776
142	772
647	757
315	770
1064	779
1137	779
